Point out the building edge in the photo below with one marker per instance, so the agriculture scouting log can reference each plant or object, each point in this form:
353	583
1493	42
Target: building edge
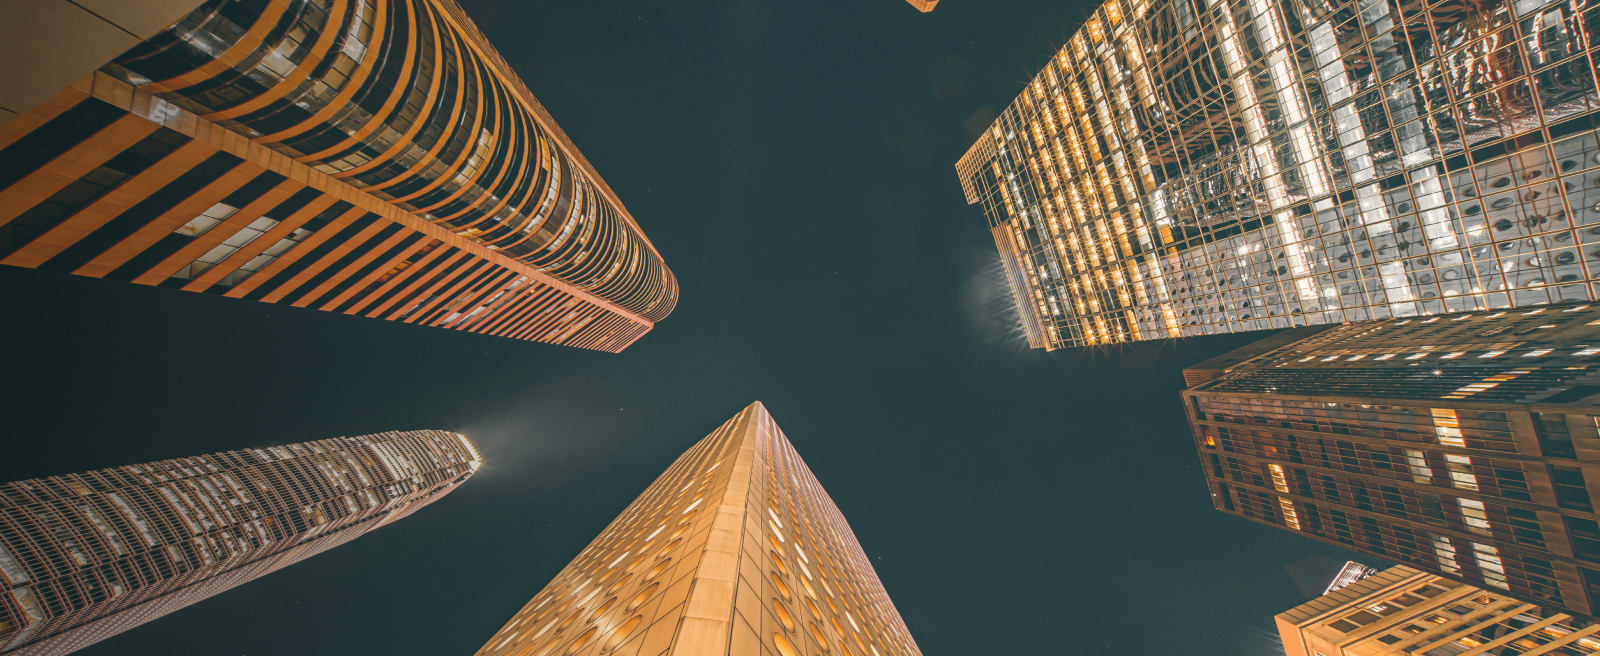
120	94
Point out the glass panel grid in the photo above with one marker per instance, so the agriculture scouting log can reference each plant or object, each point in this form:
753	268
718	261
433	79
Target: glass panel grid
1199	167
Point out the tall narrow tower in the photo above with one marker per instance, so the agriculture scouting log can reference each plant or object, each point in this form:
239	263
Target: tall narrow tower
86	556
735	550
375	158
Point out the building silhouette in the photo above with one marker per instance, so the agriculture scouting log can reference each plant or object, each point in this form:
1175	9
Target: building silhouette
1463	445
87	556
1199	167
374	158
735	550
1402	611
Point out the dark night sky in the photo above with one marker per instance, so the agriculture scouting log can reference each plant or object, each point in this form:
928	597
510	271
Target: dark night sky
793	162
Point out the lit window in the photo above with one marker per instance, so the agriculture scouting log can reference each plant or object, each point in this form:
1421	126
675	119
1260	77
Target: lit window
1453	356
1385	356
1420	472
1461	471
1494	573
1278	480
1491	354
1536	353
1588	351
1446	554
207	220
1354	358
1472	512
1419	355
1447	427
1289	517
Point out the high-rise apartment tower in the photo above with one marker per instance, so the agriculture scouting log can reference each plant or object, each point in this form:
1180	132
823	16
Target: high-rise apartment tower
1464	445
735	550
375	158
86	556
1403	612
1189	167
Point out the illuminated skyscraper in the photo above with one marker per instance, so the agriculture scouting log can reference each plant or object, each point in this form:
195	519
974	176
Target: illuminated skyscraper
374	158
1189	167
734	551
924	6
84	557
1403	612
1464	445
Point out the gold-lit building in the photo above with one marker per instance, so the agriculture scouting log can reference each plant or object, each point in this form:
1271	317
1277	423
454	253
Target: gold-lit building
1190	167
1465	445
372	158
924	6
1402	611
736	550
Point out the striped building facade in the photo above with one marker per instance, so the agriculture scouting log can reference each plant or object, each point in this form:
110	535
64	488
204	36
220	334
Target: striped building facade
86	556
369	157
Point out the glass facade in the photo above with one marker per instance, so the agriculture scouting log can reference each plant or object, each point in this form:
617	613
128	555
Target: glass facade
86	556
1465	445
1189	167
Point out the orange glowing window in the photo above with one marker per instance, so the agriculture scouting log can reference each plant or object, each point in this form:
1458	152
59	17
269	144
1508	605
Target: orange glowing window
782	589
785	648
643	596
783	614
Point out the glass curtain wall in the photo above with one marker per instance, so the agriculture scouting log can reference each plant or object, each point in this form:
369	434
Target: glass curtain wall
1189	167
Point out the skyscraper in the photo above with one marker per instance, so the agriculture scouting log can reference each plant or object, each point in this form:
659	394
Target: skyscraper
87	556
1401	611
1189	167
374	158
924	6
735	550
1464	445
